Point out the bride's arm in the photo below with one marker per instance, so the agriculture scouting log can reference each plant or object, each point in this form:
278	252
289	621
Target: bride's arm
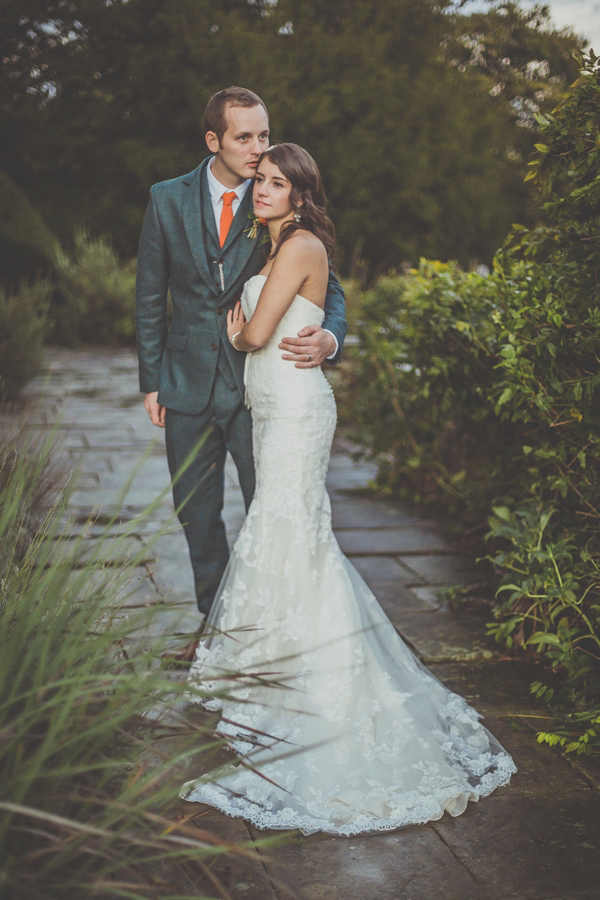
297	258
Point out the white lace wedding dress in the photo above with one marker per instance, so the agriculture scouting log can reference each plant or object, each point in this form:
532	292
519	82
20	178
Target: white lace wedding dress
340	728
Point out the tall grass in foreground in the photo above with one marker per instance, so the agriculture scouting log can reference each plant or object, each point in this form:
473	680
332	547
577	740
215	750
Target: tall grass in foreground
86	792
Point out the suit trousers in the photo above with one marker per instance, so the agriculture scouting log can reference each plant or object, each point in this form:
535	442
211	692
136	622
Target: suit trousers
226	425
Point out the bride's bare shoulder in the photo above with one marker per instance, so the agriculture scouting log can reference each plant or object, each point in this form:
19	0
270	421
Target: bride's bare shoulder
303	247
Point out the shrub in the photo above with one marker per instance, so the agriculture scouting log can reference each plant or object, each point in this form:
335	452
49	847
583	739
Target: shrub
420	395
27	247
94	300
23	325
483	392
550	385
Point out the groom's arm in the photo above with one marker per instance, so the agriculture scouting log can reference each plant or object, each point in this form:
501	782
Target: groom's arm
315	345
151	290
335	316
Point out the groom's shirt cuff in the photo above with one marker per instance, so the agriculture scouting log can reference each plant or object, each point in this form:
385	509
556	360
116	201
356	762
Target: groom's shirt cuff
337	346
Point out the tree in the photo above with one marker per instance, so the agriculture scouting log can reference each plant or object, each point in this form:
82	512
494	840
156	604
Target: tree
417	156
524	65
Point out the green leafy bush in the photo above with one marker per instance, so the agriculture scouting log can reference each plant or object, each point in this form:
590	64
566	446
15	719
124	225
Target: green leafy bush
420	394
23	325
93	303
551	383
27	247
481	393
88	300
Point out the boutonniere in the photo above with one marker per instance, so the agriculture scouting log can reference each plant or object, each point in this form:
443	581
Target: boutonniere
252	230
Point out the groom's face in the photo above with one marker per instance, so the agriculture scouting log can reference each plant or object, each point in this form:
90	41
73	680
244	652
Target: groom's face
246	137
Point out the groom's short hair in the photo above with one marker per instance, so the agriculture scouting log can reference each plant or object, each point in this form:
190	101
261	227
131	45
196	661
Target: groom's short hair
216	108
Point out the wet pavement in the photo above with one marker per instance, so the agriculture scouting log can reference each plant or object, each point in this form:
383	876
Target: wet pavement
536	839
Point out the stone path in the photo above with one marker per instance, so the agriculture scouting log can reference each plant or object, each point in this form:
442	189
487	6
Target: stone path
537	839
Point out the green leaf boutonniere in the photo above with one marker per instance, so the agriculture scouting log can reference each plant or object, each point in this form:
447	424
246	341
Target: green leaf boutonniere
252	231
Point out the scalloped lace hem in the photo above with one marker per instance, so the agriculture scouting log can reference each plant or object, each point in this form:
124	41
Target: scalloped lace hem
431	809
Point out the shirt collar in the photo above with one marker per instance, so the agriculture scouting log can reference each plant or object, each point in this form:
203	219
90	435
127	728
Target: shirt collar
217	189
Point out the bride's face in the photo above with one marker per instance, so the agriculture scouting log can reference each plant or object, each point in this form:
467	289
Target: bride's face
271	193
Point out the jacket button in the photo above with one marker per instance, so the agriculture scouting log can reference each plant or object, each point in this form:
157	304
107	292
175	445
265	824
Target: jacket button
214	346
220	311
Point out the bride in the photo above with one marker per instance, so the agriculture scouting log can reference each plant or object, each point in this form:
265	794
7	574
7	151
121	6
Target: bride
339	727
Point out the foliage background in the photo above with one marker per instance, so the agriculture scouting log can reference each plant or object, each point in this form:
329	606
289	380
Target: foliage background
421	119
479	395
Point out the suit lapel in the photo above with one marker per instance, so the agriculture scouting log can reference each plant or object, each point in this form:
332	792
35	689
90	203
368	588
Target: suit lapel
197	222
208	217
201	233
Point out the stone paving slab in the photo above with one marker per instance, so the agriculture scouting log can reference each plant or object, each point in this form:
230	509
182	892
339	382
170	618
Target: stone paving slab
354	512
385	575
580	895
347	478
442	636
536	839
408	864
140	589
389	541
501	683
540	847
444	569
111	551
243	877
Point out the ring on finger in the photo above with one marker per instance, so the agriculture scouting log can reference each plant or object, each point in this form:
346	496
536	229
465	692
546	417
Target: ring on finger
309	357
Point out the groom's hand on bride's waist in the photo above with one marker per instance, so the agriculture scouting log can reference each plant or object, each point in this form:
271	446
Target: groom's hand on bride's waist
311	348
154	409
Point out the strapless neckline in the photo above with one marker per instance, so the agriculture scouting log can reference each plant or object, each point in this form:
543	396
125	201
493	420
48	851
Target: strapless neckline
306	300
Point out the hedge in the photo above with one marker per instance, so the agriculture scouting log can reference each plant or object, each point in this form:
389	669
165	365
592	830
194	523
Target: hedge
481	395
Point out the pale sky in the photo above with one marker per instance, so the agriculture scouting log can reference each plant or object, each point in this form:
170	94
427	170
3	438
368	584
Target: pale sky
582	15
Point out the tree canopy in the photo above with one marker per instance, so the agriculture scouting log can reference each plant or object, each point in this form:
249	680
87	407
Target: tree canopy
420	118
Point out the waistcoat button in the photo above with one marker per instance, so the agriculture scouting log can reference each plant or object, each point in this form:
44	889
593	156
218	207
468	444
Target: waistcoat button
214	346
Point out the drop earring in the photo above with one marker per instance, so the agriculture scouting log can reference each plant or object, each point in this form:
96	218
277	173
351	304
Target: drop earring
297	217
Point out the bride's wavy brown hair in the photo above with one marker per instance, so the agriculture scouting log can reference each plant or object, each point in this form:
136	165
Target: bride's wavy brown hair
306	196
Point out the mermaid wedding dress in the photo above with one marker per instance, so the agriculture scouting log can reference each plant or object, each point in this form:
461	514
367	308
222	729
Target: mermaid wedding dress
339	727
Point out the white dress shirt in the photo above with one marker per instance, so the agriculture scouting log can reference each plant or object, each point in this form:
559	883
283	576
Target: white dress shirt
216	190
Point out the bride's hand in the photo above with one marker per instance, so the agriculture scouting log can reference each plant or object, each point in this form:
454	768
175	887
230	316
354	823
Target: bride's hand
235	320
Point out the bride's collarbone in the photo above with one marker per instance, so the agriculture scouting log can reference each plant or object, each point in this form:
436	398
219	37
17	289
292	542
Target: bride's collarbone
316	299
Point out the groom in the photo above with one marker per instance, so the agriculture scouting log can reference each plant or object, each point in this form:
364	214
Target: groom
197	243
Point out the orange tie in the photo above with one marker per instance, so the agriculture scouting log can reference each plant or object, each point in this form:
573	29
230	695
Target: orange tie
226	215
